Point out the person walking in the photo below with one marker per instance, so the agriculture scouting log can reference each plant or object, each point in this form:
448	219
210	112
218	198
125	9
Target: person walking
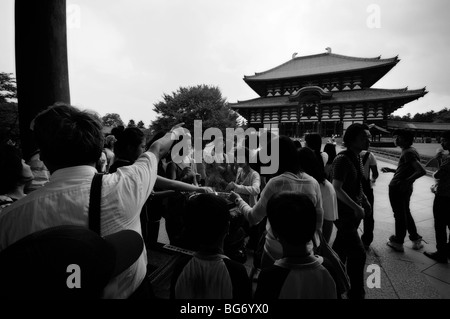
400	190
347	174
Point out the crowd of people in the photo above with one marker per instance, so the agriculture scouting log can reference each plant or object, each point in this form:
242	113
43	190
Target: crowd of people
281	218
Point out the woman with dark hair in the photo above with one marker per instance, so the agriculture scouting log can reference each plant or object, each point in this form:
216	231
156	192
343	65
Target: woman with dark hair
314	142
309	165
329	149
15	174
288	178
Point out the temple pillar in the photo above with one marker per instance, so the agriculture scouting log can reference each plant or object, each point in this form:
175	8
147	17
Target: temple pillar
41	61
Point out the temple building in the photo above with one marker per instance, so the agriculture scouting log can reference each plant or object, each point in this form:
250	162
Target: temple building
323	93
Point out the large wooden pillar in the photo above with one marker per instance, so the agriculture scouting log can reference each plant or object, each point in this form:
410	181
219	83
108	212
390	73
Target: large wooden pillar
41	61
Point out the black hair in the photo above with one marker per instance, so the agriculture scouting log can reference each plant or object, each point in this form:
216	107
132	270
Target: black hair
131	136
330	149
297	144
67	136
314	142
207	218
353	132
287	156
407	136
292	217
310	165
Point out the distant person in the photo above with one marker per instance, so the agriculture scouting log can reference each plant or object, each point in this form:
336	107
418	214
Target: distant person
299	274
109	150
369	178
209	274
40	173
330	149
314	142
70	143
15	174
248	181
400	190
441	205
352	204
310	165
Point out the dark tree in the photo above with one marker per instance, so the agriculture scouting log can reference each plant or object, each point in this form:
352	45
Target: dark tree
112	120
201	102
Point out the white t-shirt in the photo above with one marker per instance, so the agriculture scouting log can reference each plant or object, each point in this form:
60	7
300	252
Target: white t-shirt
329	201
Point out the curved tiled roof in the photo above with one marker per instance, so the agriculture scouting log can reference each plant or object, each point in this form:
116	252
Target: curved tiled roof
353	96
320	64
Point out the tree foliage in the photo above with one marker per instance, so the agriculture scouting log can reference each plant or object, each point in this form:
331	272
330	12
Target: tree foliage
9	113
112	120
8	88
201	102
131	123
442	116
140	125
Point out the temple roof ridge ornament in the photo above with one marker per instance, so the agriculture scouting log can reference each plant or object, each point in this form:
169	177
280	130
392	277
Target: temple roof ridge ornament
311	89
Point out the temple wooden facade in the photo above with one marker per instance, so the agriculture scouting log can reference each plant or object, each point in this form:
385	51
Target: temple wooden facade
323	93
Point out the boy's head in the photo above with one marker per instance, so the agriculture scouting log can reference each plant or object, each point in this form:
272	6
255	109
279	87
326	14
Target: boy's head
292	217
404	138
207	219
68	137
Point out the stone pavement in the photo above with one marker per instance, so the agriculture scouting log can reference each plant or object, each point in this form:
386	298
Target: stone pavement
408	275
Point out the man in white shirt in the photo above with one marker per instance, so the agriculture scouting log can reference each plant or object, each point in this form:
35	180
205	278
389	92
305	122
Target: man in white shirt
70	143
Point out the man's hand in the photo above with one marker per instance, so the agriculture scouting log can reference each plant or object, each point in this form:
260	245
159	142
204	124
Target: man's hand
230	186
206	190
176	131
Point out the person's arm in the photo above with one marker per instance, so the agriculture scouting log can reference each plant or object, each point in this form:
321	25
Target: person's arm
374	170
160	147
373	167
170	184
258	212
388	170
419	171
343	197
253	189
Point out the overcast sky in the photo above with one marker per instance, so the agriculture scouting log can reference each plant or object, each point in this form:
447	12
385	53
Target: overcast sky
124	55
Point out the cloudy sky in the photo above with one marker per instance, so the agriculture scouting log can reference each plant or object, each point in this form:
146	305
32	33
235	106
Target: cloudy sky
124	55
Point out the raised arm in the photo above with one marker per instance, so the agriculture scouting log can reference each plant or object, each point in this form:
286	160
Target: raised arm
160	147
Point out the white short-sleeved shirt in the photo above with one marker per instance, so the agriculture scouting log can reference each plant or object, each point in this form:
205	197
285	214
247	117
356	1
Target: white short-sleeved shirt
329	201
64	200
